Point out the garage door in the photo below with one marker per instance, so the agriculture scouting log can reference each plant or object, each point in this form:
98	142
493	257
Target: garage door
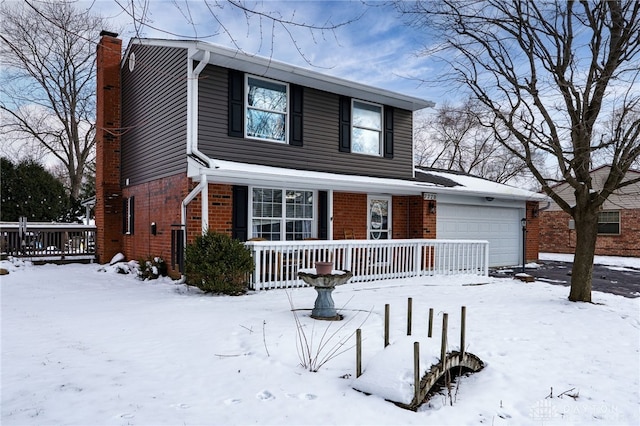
499	225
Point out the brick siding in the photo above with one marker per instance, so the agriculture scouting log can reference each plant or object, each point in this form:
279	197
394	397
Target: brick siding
556	237
108	210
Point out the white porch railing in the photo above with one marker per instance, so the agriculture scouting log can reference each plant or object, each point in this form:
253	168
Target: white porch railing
277	262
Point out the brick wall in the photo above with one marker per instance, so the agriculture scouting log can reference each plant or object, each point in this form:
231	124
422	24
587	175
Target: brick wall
410	216
532	246
108	210
349	212
158	201
556	237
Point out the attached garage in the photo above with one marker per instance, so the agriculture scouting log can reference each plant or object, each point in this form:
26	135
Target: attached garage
499	225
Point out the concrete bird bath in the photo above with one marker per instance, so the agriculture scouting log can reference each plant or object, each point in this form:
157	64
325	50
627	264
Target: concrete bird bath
324	308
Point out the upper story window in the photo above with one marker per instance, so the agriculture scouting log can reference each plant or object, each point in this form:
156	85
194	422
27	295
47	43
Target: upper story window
266	109
366	129
609	223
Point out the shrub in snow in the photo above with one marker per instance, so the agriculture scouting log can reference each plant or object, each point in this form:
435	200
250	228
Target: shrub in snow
216	263
152	269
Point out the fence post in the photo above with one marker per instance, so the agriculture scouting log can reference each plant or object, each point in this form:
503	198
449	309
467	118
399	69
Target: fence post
430	332
463	322
386	325
416	369
443	347
358	353
409	315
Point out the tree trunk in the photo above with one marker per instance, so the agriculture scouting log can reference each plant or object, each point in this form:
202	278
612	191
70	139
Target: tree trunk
586	222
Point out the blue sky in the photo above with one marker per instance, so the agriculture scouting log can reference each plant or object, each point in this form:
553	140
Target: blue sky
376	49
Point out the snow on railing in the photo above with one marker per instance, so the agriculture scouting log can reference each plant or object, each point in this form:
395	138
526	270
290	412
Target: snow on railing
48	241
277	262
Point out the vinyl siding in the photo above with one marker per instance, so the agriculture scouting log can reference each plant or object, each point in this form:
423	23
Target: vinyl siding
154	114
320	129
625	198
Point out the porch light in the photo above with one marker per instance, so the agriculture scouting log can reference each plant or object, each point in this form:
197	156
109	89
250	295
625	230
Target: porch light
432	207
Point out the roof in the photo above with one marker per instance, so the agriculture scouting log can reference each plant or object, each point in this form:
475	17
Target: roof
433	181
270	68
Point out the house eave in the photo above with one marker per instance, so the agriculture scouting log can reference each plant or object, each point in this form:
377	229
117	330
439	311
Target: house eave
233	173
266	67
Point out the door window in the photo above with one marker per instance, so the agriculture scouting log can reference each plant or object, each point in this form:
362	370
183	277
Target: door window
379	221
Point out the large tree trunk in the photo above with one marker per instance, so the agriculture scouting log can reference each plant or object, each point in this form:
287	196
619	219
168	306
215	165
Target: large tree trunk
586	222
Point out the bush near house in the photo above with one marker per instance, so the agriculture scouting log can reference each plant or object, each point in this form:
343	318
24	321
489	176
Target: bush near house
216	263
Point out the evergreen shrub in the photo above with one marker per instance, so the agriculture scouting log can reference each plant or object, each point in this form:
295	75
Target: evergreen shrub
216	263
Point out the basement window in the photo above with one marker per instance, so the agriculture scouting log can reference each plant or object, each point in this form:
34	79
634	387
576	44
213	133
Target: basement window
609	223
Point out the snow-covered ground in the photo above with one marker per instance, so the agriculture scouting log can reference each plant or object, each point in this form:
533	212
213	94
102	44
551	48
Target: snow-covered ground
81	347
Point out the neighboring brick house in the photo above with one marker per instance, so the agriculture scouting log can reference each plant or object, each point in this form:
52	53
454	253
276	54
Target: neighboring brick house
618	224
277	152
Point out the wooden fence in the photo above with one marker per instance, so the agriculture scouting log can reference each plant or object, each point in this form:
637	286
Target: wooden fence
48	241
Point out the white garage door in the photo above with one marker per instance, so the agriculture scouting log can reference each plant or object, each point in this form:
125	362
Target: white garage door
499	225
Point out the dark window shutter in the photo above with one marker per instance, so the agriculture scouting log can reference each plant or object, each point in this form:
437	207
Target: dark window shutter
132	208
323	215
240	213
236	104
125	214
295	128
345	124
388	132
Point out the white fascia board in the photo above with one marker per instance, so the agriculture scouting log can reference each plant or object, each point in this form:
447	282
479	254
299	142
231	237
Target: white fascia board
277	70
230	172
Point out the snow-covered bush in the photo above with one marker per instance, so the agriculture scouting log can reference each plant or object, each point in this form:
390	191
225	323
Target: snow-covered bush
152	268
216	263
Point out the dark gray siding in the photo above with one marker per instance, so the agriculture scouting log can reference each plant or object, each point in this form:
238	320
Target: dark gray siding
320	146
154	114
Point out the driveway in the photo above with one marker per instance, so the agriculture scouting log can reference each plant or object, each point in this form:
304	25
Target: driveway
622	281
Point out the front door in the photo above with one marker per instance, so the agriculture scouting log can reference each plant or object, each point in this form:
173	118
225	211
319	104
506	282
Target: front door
379	221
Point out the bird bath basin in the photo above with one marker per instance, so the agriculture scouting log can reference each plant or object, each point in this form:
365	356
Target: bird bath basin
324	308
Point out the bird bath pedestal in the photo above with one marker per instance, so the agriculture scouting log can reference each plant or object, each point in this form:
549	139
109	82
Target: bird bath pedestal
324	308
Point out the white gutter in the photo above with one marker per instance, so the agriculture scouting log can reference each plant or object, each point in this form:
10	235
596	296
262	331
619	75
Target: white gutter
192	106
203	187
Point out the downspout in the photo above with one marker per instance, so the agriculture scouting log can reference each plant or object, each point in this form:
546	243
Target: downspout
192	108
192	145
203	187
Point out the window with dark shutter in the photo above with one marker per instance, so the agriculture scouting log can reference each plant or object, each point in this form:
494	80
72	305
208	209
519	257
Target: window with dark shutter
128	208
295	137
323	215
388	132
345	124
236	104
240	213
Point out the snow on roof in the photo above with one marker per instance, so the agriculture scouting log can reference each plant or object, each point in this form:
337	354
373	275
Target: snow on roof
476	185
440	182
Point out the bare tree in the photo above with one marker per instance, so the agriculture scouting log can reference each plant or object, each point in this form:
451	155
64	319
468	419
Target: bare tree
552	73
47	92
220	16
454	138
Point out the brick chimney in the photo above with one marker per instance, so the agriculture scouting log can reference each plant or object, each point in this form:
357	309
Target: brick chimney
108	210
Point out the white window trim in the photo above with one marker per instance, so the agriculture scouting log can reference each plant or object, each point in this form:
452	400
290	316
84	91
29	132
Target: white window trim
283	218
619	223
381	131
246	109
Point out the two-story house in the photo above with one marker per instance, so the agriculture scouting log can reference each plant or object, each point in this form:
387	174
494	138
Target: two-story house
276	152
